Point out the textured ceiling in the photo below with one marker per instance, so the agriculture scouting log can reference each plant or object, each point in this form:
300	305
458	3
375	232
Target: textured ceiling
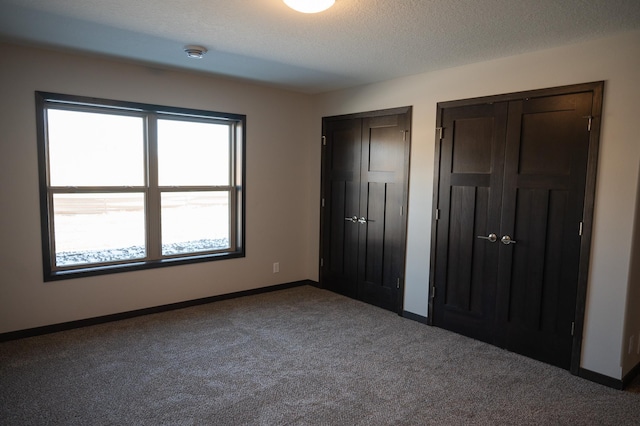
354	42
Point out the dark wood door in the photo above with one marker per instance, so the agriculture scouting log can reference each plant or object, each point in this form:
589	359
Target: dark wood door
542	209
511	203
365	174
470	186
341	205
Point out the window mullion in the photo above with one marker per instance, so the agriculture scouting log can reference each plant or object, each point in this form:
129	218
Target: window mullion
154	239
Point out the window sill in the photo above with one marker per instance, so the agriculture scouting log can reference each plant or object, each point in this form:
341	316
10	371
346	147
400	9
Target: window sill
90	271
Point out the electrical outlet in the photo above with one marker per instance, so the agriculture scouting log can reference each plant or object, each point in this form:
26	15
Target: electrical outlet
276	267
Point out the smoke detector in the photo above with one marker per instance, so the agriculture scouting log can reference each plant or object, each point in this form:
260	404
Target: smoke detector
195	52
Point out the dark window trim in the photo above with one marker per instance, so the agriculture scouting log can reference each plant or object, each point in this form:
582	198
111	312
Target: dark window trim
42	99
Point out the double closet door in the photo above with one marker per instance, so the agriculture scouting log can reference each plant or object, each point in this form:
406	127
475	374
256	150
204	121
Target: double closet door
364	197
511	185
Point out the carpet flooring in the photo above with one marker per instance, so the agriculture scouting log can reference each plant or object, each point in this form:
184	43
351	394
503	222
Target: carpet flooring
301	356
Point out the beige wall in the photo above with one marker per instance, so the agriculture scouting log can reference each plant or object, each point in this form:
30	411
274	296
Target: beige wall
615	60
631	342
278	203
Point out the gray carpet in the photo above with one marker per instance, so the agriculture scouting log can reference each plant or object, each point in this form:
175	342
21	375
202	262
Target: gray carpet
301	356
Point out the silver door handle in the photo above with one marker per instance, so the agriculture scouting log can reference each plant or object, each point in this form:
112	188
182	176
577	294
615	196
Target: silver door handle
353	219
506	240
491	237
362	220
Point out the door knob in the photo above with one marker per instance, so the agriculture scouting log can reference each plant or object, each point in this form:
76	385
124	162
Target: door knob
491	237
506	240
362	220
353	219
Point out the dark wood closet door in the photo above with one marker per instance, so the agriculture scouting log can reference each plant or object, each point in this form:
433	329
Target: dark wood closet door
471	175
341	172
543	200
382	188
515	180
363	218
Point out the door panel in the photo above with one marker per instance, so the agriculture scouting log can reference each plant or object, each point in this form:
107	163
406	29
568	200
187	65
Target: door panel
364	257
472	145
342	258
374	235
466	252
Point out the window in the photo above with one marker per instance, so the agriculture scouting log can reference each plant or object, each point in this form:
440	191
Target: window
127	186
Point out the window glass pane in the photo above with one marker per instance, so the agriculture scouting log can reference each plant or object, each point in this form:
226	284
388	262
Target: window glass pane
194	222
193	153
92	149
98	228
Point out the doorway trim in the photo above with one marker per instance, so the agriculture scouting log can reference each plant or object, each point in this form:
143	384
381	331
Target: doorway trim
597	89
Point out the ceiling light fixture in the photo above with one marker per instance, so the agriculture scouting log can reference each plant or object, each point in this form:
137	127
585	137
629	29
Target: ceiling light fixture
309	6
195	52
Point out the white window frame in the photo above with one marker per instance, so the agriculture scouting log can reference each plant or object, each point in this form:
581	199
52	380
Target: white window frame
151	189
